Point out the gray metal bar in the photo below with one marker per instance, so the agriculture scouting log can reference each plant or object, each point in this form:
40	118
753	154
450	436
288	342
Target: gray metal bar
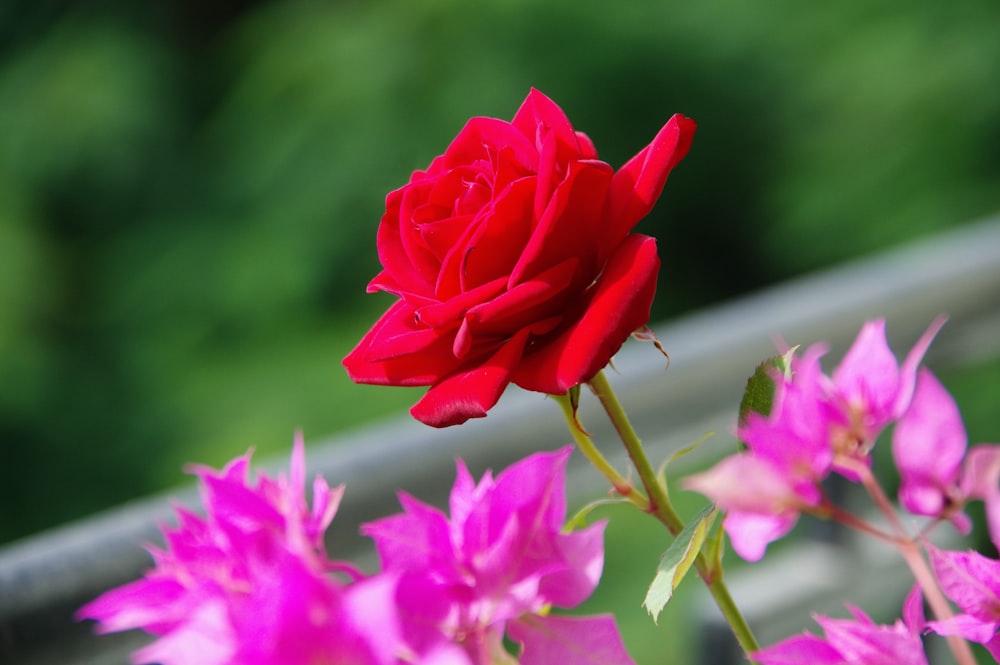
44	577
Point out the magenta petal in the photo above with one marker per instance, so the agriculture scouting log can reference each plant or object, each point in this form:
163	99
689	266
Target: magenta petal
965	626
583	554
981	480
971	580
908	371
862	641
868	376
536	485
206	639
412	540
137	604
799	650
745	483
913	611
750	533
592	640
928	445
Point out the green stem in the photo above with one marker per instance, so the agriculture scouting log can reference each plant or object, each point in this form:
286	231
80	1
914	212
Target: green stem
661	508
621	485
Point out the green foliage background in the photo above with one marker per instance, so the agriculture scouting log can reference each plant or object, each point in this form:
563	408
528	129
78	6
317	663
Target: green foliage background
189	191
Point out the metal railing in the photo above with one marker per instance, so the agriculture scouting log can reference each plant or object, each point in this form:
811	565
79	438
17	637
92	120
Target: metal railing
44	578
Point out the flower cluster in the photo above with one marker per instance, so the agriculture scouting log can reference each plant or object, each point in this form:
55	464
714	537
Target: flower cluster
855	642
969	579
820	424
513	260
250	583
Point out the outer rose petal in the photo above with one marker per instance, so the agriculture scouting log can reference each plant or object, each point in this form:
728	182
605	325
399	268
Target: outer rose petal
638	183
592	640
470	393
431	363
619	306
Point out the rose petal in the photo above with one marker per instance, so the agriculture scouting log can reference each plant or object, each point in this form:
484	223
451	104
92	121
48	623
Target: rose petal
482	137
569	224
638	183
433	362
619	305
473	392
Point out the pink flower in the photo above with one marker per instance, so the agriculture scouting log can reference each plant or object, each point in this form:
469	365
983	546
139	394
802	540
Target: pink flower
514	260
249	584
763	490
872	388
817	424
929	445
854	642
972	581
496	566
981	480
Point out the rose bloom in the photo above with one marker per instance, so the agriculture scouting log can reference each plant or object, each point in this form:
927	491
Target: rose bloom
513	261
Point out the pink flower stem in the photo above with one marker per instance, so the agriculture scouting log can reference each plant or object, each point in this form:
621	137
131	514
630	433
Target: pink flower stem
661	508
911	553
831	511
939	604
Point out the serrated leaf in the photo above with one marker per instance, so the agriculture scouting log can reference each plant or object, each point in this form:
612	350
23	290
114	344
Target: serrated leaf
758	397
677	561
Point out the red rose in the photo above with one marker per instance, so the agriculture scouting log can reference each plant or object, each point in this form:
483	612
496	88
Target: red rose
513	262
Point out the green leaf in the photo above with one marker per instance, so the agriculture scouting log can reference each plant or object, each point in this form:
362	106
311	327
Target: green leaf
758	397
677	561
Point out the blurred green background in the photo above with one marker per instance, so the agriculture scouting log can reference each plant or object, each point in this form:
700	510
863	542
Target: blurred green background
189	190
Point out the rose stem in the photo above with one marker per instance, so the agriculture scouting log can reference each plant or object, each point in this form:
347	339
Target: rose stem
660	507
586	445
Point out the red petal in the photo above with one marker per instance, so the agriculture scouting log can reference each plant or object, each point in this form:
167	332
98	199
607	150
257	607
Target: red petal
482	138
620	304
536	298
638	183
473	392
570	223
367	362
